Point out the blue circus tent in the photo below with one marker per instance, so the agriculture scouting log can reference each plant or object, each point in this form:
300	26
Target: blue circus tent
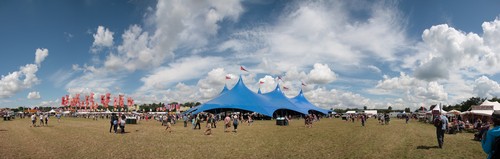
282	102
224	90
240	97
301	101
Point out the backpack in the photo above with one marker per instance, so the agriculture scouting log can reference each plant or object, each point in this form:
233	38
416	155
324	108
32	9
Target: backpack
495	150
438	122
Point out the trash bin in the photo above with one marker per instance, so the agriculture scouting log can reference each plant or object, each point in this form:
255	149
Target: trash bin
280	121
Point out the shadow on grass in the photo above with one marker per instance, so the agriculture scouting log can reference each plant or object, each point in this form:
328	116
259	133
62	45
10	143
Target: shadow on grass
427	147
2	130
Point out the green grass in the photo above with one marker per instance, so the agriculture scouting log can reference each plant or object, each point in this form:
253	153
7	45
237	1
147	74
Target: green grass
329	138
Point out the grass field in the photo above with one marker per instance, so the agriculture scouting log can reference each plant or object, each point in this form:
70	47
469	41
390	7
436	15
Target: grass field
329	138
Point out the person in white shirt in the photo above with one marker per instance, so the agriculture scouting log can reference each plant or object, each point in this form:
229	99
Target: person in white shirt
41	119
33	120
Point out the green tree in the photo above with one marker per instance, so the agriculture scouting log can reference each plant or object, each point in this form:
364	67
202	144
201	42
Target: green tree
364	107
407	110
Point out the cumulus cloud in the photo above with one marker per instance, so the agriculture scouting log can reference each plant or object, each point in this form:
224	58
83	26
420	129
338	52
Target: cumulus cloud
102	38
323	32
34	95
212	84
485	87
22	79
40	55
321	74
184	69
445	50
179	24
337	99
412	90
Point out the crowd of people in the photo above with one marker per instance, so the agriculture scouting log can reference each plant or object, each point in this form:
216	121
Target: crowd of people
42	117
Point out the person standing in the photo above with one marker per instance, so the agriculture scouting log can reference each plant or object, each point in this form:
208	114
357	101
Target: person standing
491	136
46	118
185	118
441	124
250	120
363	120
235	123
407	118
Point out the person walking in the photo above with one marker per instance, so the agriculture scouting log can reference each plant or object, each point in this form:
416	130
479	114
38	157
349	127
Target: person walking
198	121
441	124
114	122
41	119
33	120
169	124
490	138
210	120
407	118
122	123
235	123
227	124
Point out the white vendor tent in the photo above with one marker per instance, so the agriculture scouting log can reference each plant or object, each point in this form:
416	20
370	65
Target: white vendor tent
371	112
351	112
486	108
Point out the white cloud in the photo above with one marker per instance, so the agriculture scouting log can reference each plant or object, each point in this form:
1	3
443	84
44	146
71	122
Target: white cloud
184	69
179	24
412	90
485	87
40	55
337	99
374	69
34	95
22	79
445	50
323	32
212	84
50	103
321	74
102	38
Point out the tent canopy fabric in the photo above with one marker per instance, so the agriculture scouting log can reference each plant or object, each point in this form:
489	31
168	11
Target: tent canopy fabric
301	101
283	102
242	98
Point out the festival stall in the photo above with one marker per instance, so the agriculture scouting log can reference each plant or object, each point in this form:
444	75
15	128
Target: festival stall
483	111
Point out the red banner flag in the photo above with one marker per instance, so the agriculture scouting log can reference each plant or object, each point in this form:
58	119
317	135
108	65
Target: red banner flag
120	101
243	69
63	101
261	82
178	107
115	103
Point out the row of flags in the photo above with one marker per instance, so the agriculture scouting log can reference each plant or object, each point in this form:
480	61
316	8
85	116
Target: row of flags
88	101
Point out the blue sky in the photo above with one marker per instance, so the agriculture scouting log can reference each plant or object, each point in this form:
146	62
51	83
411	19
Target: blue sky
350	54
